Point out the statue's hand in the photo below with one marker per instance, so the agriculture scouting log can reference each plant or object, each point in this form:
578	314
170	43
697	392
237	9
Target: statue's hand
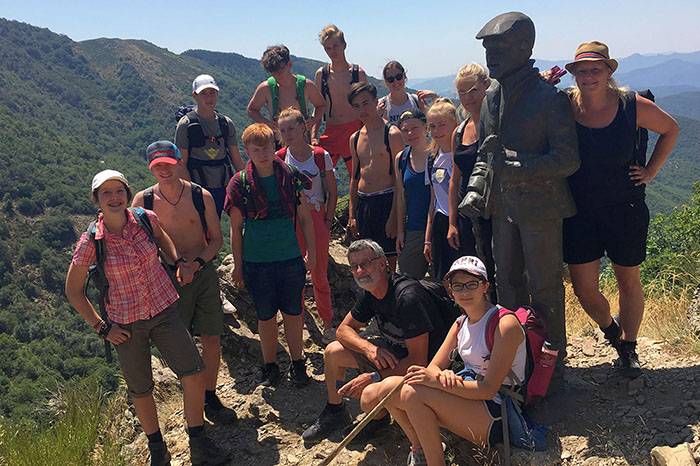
492	144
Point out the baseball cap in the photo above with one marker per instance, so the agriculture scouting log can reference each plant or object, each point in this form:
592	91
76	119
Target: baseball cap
469	264
106	175
203	81
162	152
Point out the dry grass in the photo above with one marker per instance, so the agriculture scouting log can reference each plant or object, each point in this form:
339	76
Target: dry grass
664	314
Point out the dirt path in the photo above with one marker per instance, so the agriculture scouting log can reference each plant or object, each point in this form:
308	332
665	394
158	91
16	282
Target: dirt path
600	418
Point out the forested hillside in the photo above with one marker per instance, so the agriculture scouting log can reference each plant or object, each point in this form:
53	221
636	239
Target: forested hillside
70	109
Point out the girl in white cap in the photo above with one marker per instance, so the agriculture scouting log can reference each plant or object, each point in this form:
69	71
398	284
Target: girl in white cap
466	403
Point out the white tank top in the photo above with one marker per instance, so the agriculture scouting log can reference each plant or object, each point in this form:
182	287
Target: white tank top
471	344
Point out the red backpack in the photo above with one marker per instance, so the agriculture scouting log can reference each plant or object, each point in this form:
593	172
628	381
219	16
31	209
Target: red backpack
319	160
539	365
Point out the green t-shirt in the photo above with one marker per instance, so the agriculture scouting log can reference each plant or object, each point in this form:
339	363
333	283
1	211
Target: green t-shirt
270	239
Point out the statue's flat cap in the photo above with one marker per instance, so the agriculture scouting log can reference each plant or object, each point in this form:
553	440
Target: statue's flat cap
506	23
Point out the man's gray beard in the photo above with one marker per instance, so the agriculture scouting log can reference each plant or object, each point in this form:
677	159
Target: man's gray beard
363	282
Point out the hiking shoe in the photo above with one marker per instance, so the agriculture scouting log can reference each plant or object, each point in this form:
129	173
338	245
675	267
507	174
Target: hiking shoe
160	456
614	334
629	361
297	373
328	336
416	458
369	431
218	413
269	375
326	423
203	451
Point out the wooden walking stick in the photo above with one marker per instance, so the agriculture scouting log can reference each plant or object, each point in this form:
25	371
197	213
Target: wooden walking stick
361	425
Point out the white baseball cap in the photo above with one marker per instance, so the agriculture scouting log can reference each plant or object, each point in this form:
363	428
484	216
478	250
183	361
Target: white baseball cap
106	175
203	81
469	264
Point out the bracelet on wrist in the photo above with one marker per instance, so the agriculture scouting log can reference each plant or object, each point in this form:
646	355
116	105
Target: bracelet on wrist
427	243
179	260
98	325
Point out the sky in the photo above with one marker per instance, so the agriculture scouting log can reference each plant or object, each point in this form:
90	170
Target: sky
429	38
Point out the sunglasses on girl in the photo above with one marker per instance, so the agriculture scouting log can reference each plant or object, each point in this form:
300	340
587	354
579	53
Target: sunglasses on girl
391	79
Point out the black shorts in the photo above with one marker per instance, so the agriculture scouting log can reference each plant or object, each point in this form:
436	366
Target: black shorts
373	211
496	427
618	230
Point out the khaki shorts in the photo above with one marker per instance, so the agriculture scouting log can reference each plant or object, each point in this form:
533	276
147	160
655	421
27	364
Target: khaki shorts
199	305
364	364
173	341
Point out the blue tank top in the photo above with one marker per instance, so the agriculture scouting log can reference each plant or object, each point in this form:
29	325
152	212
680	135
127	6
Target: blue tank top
417	198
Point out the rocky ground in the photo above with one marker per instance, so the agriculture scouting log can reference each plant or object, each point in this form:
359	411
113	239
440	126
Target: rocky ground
598	419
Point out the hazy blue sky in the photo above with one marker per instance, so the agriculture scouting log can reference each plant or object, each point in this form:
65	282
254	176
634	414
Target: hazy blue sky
428	38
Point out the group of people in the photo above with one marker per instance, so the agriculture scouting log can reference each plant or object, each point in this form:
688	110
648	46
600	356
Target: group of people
526	178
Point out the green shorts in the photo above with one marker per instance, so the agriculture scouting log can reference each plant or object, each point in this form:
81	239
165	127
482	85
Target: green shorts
200	304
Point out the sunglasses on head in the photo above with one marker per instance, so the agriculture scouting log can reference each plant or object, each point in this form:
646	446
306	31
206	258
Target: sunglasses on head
391	79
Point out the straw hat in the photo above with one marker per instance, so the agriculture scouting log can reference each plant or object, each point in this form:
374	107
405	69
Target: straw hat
592	51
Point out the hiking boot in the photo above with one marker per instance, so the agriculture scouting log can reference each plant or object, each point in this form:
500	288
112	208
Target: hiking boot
328	336
297	373
326	423
614	333
369	432
218	413
160	456
269	375
203	451
629	361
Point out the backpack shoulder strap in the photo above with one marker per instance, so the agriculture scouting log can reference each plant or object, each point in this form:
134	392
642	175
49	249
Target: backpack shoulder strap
355	73
320	159
460	130
198	201
414	99
387	128
403	159
144	222
354	143
275	93
223	127
629	103
301	95
490	330
148	198
325	92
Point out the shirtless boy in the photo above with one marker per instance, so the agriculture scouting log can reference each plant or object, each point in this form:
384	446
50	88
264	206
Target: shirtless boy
276	61
372	204
341	119
172	199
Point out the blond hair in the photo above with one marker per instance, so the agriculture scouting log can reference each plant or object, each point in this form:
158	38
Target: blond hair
442	107
331	31
258	134
472	70
293	113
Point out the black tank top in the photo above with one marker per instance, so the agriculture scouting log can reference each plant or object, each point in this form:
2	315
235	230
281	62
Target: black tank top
464	158
606	155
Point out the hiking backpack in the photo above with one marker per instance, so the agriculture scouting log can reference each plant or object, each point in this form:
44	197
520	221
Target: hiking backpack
319	160
641	138
325	92
275	93
403	159
196	138
448	310
386	144
96	271
197	200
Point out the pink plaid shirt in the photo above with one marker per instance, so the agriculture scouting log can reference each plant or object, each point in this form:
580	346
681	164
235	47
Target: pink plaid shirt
139	287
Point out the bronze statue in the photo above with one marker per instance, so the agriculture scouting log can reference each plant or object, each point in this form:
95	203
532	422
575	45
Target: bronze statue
529	148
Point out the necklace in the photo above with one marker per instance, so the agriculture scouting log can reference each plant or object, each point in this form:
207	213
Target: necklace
178	198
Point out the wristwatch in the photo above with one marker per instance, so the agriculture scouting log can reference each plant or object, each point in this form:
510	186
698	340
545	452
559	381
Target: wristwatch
181	259
200	261
376	376
104	329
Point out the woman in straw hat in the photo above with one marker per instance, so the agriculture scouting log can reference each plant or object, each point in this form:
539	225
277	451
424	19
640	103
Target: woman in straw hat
608	189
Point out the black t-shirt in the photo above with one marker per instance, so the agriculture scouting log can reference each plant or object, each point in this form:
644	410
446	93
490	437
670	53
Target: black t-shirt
401	317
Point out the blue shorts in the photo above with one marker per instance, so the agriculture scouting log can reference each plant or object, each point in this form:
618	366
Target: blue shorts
275	286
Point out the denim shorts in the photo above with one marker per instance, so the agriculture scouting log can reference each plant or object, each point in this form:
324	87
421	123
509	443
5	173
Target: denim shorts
275	286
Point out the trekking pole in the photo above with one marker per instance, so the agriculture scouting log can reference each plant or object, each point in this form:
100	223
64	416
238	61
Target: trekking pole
361	425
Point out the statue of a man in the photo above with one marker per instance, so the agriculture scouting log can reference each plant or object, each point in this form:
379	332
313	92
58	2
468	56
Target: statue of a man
528	136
